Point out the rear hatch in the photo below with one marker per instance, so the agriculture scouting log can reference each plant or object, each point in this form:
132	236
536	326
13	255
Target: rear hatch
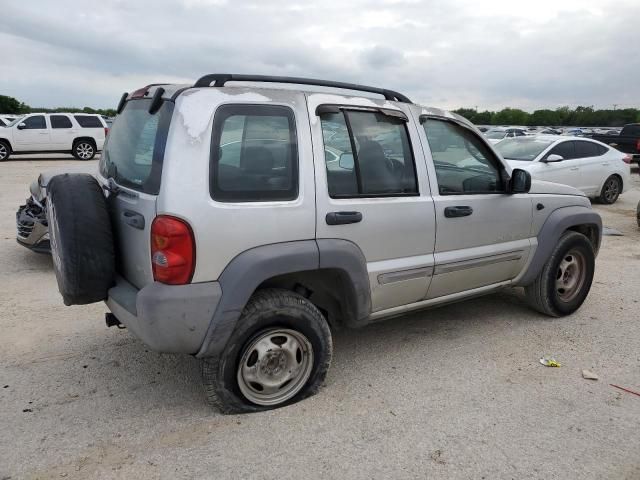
131	167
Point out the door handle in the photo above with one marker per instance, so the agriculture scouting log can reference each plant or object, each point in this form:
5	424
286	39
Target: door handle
134	219
343	218
458	211
605	163
573	169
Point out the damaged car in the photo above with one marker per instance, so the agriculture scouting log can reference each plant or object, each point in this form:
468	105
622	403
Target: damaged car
31	218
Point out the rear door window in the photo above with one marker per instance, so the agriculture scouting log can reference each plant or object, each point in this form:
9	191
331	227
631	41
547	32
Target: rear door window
586	149
60	121
134	149
254	154
88	121
367	153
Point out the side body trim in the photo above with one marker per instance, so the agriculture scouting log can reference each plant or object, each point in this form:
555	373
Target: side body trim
478	262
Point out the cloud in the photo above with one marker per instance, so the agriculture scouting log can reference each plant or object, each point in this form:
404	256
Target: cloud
445	53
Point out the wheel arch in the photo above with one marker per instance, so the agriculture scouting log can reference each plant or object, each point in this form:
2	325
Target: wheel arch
618	176
331	273
6	140
576	218
85	138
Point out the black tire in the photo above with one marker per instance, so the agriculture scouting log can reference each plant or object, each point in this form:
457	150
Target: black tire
84	149
610	190
266	310
81	238
544	295
5	150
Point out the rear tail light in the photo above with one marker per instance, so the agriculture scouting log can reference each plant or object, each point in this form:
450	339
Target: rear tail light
173	250
106	132
627	159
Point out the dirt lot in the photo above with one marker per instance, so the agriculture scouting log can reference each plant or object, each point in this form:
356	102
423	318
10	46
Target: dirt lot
455	392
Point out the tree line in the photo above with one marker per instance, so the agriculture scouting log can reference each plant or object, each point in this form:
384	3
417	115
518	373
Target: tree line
12	105
562	116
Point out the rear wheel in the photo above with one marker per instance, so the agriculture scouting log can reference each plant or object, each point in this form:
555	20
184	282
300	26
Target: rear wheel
5	150
611	190
279	354
565	280
84	150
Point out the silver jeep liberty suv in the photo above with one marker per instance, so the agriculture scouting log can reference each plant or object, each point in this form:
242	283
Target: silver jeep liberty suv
241	223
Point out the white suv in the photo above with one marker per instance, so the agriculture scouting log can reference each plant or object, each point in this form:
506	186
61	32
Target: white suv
240	224
79	134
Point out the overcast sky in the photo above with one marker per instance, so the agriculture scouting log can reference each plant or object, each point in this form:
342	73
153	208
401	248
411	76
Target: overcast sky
445	53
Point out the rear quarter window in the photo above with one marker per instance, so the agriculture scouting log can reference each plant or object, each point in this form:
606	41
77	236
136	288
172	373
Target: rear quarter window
254	154
88	121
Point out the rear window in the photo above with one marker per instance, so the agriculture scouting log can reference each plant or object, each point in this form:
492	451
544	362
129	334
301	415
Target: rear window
134	149
88	121
632	130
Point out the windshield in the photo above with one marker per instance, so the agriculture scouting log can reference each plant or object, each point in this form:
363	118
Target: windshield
134	149
13	122
495	134
523	148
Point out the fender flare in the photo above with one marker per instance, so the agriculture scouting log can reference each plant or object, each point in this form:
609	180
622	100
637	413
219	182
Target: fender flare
244	274
558	222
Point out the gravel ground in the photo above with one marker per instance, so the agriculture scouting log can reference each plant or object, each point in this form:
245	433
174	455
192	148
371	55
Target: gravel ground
454	392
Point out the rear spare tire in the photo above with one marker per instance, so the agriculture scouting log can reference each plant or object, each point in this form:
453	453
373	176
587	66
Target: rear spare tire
81	238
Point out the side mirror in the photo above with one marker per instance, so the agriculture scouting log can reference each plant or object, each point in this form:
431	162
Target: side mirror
554	158
520	181
22	126
346	161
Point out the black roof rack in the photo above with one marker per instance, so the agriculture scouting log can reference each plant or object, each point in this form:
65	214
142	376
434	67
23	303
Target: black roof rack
221	78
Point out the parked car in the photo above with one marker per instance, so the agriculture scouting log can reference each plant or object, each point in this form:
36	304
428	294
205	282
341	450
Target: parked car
574	132
81	135
628	141
496	135
246	258
592	167
31	218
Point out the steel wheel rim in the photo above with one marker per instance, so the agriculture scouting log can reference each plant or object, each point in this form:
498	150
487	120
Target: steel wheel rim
275	366
611	189
84	150
3	152
571	276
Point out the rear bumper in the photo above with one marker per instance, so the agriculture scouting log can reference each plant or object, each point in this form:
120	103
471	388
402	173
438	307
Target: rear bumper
167	318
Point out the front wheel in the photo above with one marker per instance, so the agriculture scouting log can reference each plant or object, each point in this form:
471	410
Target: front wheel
279	354
610	190
84	150
565	280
